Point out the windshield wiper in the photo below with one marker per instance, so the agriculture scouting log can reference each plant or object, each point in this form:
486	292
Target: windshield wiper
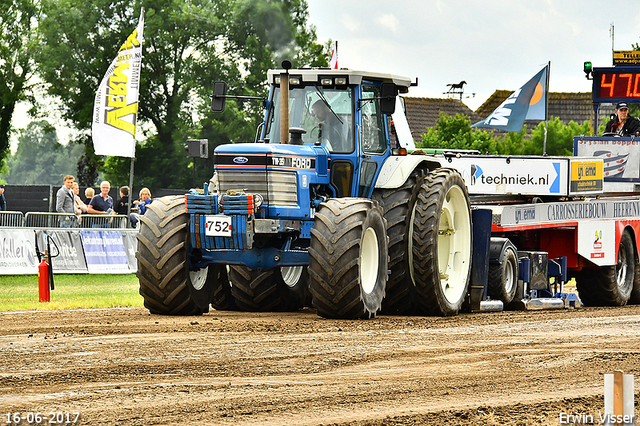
324	100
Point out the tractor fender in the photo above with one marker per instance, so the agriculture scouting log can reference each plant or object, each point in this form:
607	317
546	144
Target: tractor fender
396	170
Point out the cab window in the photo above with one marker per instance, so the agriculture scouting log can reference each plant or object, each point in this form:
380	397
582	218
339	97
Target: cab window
325	113
373	140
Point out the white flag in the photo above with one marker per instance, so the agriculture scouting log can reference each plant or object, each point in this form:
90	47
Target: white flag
116	105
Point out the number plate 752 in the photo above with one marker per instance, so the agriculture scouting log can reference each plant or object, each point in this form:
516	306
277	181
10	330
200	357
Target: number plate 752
218	226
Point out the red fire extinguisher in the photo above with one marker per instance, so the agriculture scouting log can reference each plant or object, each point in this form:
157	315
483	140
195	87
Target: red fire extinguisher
45	271
43	280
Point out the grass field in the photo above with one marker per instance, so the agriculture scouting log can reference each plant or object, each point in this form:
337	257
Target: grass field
20	292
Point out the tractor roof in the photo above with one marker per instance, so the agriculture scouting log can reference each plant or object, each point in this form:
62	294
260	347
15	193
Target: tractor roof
353	76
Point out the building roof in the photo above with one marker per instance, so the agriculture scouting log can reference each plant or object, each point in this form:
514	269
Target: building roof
423	113
566	106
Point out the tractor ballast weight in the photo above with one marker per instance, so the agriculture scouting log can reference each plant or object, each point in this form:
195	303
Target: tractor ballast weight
326	209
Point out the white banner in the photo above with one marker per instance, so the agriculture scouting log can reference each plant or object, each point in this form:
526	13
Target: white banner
66	250
116	104
513	175
621	156
18	252
570	211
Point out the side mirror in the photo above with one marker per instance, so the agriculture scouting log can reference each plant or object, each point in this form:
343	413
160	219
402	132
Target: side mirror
388	101
197	148
219	96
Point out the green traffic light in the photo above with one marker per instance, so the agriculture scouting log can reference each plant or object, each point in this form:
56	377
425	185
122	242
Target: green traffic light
588	70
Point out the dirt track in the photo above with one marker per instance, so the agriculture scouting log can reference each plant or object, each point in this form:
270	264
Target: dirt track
124	366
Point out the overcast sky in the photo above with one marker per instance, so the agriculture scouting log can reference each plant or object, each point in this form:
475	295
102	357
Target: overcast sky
492	45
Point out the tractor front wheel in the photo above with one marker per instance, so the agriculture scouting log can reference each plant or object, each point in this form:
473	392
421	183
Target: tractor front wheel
348	258
163	269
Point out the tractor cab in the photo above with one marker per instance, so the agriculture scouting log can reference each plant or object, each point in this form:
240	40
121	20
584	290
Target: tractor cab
343	110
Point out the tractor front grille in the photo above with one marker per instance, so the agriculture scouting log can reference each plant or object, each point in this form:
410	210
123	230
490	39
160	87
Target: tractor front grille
277	188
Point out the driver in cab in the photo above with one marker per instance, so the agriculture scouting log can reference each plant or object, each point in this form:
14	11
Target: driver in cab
622	124
329	127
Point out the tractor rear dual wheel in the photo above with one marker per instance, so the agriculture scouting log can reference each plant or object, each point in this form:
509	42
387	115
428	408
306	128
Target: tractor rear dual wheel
210	286
429	228
397	204
441	246
277	289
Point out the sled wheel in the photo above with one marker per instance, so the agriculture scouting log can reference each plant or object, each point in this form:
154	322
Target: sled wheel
348	258
440	259
610	285
635	292
163	269
503	278
278	289
397	205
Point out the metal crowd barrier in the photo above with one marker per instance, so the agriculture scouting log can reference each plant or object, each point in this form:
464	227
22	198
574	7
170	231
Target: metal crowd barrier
11	219
50	220
103	221
66	220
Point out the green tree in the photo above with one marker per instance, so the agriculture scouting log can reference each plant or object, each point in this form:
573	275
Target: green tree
512	143
455	132
40	158
559	137
188	44
80	39
18	44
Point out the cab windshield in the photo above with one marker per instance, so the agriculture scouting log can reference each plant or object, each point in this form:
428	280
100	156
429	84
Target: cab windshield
325	113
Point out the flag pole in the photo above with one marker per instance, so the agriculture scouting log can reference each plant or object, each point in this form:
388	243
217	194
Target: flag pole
130	193
546	111
130	204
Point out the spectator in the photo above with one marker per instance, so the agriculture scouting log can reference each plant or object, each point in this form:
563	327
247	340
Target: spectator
88	195
3	202
81	207
123	203
65	199
101	203
141	204
144	201
623	124
66	202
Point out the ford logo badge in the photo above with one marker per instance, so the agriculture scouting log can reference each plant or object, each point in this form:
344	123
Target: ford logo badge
240	160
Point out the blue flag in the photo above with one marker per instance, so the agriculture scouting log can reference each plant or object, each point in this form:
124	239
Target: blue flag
527	103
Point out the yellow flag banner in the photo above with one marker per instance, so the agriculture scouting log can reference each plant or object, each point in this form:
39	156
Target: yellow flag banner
116	104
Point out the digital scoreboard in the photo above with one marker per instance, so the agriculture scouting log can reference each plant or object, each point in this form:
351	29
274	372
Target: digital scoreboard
616	84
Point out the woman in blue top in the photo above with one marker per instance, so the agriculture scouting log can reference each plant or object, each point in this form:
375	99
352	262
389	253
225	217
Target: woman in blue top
141	204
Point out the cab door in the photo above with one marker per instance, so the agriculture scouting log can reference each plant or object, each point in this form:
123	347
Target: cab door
373	145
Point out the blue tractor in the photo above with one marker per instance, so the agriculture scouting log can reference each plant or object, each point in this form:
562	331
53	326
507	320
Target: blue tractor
328	210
